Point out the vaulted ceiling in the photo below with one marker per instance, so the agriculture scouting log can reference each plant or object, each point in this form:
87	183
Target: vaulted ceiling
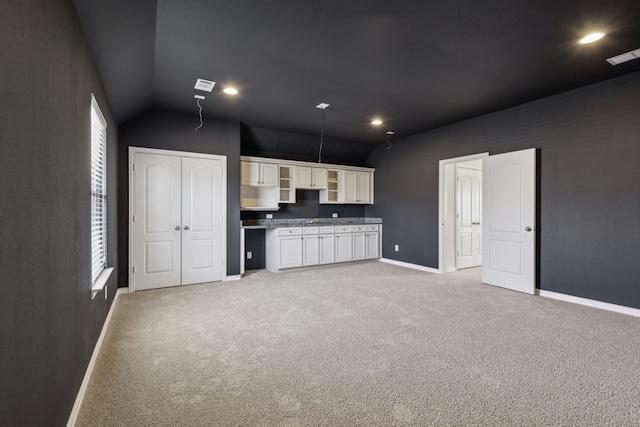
415	64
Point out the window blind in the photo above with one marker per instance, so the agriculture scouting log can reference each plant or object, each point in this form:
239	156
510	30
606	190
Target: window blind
98	191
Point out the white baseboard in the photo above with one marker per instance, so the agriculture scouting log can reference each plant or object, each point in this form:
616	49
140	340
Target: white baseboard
409	265
591	303
87	375
234	277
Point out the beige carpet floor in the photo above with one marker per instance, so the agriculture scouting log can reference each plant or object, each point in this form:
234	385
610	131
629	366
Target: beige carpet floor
369	344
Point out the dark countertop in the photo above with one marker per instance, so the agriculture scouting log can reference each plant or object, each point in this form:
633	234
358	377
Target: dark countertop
304	222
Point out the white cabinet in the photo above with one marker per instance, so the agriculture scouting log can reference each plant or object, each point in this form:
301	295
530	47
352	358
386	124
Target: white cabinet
284	248
343	244
326	246
258	174
372	241
258	186
290	247
277	181
311	178
334	193
359	245
310	246
358	187
287	184
366	242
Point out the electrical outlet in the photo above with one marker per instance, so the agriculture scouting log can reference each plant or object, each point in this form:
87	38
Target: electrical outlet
397	248
334	215
269	216
249	255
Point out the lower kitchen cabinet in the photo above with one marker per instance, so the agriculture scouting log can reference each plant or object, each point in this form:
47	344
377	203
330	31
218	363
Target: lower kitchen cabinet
291	247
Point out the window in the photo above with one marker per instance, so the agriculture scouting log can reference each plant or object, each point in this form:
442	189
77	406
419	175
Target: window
98	195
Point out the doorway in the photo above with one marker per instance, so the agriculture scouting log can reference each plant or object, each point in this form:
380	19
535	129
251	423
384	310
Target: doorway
177	229
508	182
460	238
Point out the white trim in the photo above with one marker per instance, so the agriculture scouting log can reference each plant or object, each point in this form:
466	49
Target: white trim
590	303
409	265
98	285
232	278
87	375
441	192
132	186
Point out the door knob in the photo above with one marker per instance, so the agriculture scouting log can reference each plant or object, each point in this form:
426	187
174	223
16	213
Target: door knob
186	227
528	229
177	227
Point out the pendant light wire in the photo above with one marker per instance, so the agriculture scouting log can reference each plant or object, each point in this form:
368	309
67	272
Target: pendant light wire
200	114
321	138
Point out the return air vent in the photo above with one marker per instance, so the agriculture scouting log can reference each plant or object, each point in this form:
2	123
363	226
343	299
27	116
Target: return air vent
615	60
205	85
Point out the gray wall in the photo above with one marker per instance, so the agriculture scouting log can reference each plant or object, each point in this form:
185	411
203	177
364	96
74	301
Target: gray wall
48	323
296	146
175	131
588	185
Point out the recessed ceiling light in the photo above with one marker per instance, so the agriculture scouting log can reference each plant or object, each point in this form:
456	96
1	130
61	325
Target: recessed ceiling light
590	38
376	122
230	91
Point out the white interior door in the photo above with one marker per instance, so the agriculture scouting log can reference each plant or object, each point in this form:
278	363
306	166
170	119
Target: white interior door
202	220
468	217
157	221
508	212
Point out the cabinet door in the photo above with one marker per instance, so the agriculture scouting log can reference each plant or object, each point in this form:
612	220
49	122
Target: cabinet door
290	254
350	186
310	254
372	245
364	187
249	173
343	247
327	249
319	178
358	246
268	175
303	177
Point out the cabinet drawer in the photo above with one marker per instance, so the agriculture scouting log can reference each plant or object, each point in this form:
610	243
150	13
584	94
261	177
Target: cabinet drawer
310	230
326	230
358	228
289	231
343	229
373	227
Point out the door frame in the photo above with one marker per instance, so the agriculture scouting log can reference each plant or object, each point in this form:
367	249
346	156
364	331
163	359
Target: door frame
132	193
442	190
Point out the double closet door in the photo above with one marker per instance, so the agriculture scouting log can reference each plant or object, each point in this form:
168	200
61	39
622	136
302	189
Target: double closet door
178	220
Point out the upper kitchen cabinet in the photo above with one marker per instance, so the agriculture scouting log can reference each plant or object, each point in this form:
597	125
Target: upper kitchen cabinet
358	187
336	184
311	178
258	174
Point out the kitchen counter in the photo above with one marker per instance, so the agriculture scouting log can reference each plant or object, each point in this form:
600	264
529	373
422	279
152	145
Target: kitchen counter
267	224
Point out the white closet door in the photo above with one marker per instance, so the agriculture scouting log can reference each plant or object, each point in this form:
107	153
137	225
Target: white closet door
157	224
202	220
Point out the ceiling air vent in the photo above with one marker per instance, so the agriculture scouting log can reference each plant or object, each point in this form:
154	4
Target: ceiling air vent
615	60
205	85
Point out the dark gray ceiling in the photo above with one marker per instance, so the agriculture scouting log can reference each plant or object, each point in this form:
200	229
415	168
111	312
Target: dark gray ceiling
418	65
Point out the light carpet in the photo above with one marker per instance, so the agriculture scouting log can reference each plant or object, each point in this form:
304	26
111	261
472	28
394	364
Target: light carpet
367	344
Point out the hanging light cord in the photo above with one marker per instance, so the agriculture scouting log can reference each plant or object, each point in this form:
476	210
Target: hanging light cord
389	147
321	137
200	114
